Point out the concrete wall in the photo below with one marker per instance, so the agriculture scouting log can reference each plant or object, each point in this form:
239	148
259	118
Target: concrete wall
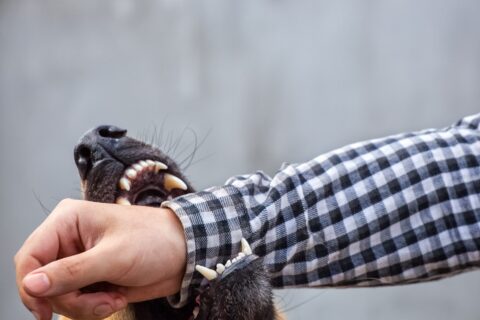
263	81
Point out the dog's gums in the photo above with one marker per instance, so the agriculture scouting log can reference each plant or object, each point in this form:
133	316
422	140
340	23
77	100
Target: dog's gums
115	168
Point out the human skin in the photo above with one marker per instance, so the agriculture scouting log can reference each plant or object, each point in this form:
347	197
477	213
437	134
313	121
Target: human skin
140	251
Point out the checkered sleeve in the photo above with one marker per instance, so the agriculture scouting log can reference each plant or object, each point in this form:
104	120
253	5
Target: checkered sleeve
388	211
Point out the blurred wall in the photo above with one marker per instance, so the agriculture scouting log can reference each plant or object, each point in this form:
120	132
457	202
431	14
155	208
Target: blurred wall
262	81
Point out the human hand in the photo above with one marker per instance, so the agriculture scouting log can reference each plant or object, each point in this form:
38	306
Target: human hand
140	251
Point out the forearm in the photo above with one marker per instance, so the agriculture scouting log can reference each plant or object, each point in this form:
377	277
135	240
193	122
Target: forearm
387	211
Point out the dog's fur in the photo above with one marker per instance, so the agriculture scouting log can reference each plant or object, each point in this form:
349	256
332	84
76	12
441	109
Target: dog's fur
102	156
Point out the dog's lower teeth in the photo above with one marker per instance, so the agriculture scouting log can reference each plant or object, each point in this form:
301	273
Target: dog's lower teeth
220	268
246	249
137	167
206	272
123	201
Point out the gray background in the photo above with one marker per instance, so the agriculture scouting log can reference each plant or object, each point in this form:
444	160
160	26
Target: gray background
271	81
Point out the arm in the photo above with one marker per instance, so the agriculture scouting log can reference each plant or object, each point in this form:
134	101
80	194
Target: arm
395	210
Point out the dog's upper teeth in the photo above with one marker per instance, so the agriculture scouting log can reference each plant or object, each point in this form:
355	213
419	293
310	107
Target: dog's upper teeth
145	165
123	201
220	268
150	163
246	249
124	184
172	182
160	166
206	272
131	173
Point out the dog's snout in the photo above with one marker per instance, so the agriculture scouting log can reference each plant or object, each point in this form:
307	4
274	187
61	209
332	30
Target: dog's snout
91	147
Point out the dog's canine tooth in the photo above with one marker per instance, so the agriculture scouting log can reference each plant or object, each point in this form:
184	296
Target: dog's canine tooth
246	247
220	268
137	167
124	184
123	201
172	182
160	166
206	272
131	173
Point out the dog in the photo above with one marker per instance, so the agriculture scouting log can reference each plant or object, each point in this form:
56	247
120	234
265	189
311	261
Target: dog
115	168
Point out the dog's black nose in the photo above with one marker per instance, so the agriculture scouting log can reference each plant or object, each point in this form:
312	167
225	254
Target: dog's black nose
111	132
88	150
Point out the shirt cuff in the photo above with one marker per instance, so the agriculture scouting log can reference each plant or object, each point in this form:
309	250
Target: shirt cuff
214	222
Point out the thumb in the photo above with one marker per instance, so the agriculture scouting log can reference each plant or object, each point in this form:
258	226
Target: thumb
67	274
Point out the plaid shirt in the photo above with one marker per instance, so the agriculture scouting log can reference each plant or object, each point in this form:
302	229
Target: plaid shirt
395	210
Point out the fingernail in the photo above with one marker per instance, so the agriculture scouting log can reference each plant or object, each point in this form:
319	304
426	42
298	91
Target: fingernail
103	310
36	315
37	283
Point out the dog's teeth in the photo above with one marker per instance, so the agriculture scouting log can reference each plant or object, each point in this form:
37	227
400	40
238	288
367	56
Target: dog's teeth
143	163
150	163
234	260
246	247
240	255
123	201
171	182
220	268
228	264
124	184
206	272
137	167
160	166
131	173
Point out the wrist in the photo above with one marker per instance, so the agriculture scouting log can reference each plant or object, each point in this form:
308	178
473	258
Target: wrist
176	244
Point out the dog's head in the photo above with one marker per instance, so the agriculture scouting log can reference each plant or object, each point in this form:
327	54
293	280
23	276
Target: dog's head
115	168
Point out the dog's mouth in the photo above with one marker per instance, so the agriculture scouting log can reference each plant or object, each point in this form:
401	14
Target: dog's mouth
148	183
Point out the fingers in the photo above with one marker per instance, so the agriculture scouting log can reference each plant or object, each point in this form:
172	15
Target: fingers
67	274
38	306
90	306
